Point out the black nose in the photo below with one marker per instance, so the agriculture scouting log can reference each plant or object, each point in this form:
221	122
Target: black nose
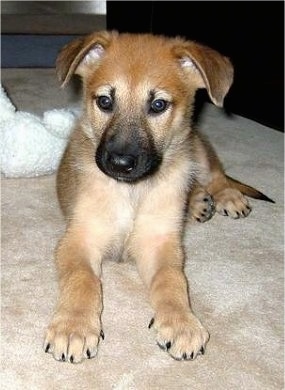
128	159
120	163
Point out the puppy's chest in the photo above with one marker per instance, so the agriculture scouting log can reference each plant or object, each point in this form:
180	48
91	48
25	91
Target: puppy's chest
122	219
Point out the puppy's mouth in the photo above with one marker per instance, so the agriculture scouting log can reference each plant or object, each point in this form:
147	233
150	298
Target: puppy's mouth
127	164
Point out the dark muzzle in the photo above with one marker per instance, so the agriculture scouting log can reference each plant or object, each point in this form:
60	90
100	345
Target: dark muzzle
129	158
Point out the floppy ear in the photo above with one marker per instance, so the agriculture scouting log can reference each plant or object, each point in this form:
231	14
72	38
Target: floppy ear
77	57
207	68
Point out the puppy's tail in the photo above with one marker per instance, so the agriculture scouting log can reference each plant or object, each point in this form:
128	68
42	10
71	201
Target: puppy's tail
247	190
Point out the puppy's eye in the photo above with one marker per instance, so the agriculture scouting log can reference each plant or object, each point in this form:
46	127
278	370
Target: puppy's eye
158	106
105	103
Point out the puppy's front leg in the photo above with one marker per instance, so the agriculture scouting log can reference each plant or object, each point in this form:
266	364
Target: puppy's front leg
160	263
76	326
178	330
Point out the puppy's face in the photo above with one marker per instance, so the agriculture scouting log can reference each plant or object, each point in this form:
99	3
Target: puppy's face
137	100
138	92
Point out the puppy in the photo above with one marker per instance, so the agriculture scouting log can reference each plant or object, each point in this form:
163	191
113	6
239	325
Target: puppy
133	169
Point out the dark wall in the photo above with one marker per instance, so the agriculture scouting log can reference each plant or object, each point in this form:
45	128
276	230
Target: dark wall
249	32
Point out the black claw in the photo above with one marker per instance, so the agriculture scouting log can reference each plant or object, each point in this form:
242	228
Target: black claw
88	354
202	215
204	210
47	348
71	359
202	351
248	207
198	219
243	213
184	356
206	199
225	212
151	323
168	345
63	357
192	356
102	335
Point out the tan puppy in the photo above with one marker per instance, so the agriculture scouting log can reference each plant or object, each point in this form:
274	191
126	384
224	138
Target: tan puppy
125	180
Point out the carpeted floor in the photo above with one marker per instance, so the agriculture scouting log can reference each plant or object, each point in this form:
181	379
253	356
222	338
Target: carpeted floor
235	270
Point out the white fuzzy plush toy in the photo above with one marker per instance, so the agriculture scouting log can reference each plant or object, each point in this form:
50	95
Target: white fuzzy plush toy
31	145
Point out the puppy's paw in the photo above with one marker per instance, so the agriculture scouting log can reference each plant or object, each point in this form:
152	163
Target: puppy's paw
182	336
231	202
201	206
73	337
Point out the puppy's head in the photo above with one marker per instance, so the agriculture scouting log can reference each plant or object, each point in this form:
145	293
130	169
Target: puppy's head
138	94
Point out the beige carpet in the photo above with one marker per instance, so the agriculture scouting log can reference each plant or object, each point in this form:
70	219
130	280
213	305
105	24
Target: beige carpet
235	270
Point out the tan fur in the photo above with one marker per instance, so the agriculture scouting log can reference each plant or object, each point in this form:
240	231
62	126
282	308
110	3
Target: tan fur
143	220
